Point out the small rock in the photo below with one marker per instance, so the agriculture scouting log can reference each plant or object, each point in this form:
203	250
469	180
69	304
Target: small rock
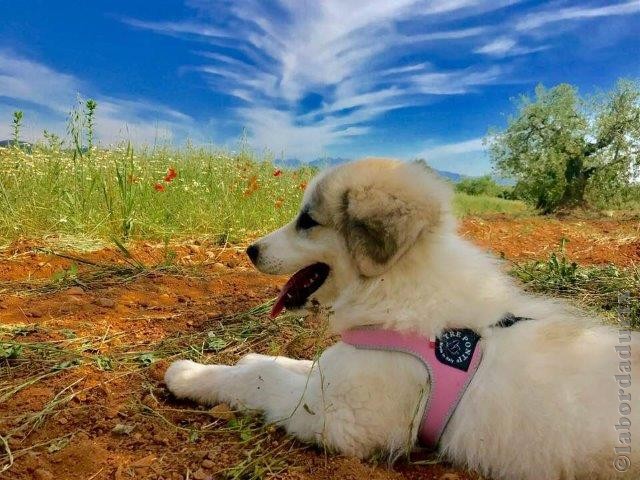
73	300
75	291
200	474
144	462
200	454
42	474
182	299
137	436
122	429
219	266
165	298
206	463
106	302
222	412
34	314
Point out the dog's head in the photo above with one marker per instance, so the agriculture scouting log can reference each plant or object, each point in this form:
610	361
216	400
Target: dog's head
357	222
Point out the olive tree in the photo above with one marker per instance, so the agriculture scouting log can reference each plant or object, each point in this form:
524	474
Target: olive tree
563	150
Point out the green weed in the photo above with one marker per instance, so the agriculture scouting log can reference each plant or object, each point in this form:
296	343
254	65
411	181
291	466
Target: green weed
17	124
597	287
467	205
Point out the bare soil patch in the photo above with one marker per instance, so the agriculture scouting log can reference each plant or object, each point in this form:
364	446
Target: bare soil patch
588	242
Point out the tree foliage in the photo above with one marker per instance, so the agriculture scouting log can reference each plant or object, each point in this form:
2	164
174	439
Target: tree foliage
565	151
484	185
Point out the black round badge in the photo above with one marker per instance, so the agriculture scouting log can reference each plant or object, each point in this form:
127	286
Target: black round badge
455	348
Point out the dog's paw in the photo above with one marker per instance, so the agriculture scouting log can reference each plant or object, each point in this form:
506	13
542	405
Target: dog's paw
181	378
250	358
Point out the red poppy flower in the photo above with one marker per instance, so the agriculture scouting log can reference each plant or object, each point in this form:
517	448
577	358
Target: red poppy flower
303	185
171	174
277	173
158	187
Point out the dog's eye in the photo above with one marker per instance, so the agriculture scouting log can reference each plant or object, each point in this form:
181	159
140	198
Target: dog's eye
305	221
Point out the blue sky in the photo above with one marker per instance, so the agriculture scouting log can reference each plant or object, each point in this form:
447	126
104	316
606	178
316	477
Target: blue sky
403	78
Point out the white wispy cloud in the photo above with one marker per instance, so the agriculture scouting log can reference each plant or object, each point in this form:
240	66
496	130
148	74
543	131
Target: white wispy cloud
468	156
457	148
499	46
539	19
348	54
447	35
27	81
47	95
505	46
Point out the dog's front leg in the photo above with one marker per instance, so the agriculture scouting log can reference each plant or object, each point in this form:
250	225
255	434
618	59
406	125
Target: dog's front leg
288	391
353	401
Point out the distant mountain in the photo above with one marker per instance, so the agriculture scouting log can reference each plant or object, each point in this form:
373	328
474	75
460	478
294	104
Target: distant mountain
453	176
321	162
9	143
324	162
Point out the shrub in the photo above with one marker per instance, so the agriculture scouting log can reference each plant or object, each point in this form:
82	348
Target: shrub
484	185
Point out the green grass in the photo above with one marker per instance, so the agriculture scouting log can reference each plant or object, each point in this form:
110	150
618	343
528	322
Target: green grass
105	194
115	193
467	205
603	289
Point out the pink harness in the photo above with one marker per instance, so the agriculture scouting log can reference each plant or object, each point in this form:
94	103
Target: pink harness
451	361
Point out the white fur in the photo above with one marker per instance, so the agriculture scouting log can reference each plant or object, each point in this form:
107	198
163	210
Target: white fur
544	402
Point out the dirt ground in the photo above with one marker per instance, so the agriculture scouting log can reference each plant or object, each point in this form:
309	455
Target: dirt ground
81	393
587	242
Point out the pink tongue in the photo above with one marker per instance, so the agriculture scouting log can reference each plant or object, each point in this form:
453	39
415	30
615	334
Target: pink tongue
278	306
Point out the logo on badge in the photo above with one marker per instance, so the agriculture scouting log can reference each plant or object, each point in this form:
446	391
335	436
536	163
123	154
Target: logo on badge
455	348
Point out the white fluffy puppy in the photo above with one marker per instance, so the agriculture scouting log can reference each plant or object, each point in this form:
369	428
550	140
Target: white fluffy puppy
376	243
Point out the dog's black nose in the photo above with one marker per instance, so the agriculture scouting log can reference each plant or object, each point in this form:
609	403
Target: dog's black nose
252	252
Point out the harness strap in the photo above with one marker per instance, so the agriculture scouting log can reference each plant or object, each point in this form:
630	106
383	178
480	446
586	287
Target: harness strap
448	383
451	361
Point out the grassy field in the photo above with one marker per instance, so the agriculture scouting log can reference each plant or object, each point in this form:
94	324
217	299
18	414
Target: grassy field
466	205
155	193
159	193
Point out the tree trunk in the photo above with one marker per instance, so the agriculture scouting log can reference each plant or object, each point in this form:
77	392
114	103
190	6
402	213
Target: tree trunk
576	177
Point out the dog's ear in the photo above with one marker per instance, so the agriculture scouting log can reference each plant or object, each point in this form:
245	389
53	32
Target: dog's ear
379	227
